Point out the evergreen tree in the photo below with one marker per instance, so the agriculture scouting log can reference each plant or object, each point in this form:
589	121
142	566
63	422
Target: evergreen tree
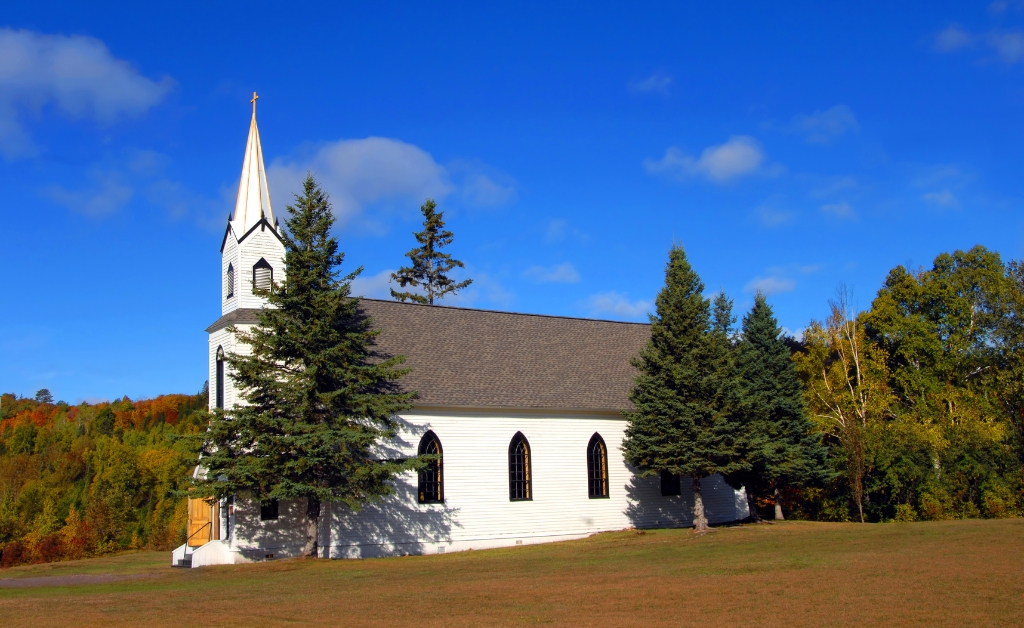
430	267
319	398
682	421
43	396
778	438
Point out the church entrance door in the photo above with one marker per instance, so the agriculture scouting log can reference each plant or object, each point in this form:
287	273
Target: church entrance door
202	522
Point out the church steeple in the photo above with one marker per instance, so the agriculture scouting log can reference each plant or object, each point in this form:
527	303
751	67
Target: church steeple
253	194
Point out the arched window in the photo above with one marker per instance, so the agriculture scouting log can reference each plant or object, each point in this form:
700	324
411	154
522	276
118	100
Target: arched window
229	282
520	486
219	399
431	489
597	467
262	275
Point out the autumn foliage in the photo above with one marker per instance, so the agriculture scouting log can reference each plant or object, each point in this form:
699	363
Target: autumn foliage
91	479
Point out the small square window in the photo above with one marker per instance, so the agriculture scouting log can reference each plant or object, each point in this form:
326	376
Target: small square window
268	510
670	484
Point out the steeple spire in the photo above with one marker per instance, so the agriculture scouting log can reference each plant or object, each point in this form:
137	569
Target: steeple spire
253	194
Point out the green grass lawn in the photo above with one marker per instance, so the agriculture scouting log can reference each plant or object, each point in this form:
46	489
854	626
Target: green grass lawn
944	573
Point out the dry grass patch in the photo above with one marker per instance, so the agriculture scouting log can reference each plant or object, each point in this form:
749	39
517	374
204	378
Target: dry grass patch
797	573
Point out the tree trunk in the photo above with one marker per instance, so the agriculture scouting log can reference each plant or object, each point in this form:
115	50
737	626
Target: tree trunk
778	505
311	549
700	522
752	506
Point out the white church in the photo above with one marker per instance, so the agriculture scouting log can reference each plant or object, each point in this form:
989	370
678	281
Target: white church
524	410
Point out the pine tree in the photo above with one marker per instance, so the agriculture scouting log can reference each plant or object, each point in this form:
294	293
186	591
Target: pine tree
778	440
319	398
430	267
682	420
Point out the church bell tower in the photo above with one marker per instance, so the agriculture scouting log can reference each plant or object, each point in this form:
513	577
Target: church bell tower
252	255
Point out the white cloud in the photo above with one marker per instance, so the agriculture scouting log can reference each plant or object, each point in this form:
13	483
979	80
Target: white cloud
359	172
821	127
1009	45
944	174
558	230
106	196
659	82
384	171
952	38
559	273
740	155
555	231
374	286
770	285
616	304
945	198
772	217
779	279
485	290
833	185
481	185
839	210
76	74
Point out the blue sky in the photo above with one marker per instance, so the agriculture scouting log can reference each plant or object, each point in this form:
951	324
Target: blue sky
790	149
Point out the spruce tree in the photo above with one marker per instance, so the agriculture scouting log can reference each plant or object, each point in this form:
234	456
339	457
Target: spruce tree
778	441
319	398
682	420
430	267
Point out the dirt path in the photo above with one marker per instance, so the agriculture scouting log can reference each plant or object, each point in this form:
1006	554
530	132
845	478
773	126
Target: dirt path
64	581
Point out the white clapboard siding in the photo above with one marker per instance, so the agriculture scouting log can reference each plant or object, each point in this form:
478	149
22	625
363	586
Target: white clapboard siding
224	339
229	257
477	512
261	243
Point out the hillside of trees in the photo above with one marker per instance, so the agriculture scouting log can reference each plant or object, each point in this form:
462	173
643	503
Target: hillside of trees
91	479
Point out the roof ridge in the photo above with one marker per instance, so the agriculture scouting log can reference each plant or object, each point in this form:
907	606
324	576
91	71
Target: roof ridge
477	309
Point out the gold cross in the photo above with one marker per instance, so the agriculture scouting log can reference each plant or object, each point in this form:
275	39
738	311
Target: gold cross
253	101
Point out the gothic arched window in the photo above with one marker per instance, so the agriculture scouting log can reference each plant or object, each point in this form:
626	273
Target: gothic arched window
597	467
520	486
431	485
219	399
262	275
229	282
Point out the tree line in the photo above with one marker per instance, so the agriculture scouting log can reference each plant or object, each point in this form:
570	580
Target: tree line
911	409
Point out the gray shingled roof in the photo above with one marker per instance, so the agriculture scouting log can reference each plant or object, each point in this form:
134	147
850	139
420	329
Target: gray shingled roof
479	358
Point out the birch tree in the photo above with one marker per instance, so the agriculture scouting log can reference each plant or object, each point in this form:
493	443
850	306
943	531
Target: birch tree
845	379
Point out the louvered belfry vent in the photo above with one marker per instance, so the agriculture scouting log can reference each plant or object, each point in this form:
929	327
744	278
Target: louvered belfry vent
262	275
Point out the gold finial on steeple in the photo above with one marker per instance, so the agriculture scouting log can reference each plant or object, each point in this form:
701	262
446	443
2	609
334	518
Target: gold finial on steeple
254	97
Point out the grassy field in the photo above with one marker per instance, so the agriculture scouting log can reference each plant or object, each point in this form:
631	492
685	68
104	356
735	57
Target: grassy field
796	573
